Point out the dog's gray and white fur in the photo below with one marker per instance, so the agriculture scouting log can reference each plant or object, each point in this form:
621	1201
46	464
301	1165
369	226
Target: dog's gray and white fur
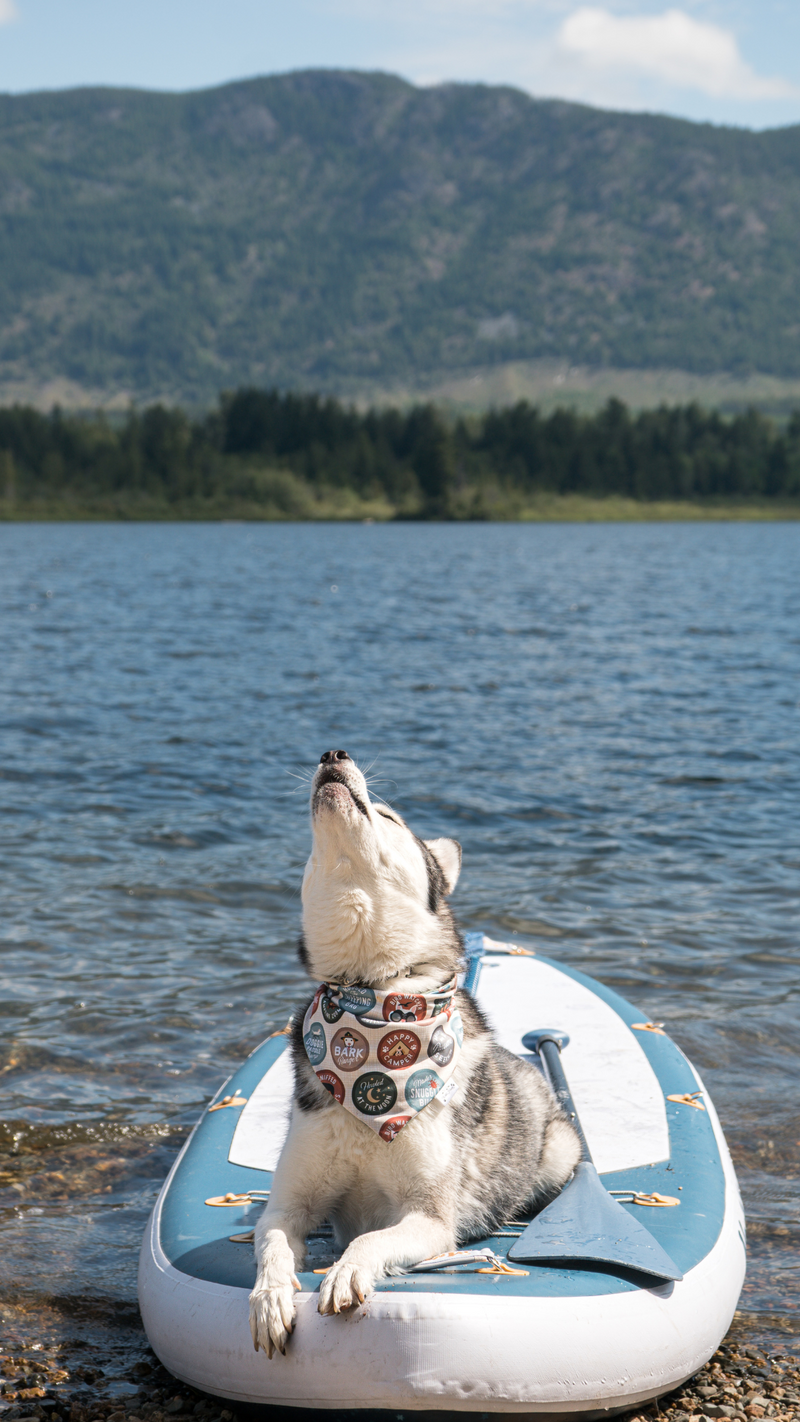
374	912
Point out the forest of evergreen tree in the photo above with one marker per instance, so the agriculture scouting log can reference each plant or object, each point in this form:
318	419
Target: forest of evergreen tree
276	453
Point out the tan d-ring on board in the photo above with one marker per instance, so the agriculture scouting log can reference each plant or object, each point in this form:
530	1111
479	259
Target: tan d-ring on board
687	1098
249	1197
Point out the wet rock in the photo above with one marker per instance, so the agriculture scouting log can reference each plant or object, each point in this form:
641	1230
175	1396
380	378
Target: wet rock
740	1383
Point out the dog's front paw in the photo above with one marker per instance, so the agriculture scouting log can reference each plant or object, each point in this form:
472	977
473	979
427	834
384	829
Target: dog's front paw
344	1285
272	1315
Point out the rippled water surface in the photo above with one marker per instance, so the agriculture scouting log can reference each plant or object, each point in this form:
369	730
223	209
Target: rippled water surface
606	717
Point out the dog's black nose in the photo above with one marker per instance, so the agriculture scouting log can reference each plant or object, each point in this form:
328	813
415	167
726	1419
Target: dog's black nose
328	757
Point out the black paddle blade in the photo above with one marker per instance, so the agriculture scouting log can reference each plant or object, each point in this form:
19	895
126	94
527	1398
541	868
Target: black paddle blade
586	1223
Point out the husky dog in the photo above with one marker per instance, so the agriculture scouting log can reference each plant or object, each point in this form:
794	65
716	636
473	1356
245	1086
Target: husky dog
375	915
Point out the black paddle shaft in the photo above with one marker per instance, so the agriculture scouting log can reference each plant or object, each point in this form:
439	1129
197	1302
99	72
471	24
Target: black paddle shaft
548	1045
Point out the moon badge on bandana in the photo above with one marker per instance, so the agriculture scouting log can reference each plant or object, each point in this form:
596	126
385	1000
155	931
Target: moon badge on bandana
368	1048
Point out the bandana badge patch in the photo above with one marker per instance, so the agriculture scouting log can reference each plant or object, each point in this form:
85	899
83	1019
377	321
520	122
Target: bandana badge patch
384	1055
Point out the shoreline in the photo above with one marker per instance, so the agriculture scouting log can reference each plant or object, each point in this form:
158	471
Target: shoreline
546	508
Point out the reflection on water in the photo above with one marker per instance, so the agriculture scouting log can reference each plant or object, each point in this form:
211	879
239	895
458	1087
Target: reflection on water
606	717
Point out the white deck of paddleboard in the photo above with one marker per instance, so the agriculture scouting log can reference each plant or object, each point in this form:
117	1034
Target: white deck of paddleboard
617	1094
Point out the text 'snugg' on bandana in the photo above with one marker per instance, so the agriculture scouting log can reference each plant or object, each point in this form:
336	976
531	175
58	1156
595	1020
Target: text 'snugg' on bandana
384	1055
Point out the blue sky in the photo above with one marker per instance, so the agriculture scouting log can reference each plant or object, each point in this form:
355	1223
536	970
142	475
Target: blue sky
734	62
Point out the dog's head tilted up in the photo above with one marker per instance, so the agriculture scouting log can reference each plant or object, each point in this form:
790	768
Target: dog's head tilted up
374	895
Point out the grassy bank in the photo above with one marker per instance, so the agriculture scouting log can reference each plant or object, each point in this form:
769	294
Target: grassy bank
577	509
343	507
337	506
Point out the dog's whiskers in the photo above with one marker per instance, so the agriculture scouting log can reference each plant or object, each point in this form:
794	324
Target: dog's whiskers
379	800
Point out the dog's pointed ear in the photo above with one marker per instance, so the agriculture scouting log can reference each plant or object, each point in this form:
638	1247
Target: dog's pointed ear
447	853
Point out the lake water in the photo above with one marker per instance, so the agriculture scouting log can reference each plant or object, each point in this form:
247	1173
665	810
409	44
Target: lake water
605	716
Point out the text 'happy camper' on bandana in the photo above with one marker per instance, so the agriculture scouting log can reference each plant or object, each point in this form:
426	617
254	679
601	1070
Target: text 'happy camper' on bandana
384	1055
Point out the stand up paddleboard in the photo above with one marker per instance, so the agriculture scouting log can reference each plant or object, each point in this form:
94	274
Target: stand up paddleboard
546	1316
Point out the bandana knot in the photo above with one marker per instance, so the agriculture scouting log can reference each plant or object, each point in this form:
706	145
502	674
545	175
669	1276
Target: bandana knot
383	1054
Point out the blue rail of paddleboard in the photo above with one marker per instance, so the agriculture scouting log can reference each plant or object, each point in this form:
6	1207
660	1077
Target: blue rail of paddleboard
195	1236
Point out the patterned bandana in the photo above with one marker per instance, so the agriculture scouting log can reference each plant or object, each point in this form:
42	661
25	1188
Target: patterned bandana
384	1055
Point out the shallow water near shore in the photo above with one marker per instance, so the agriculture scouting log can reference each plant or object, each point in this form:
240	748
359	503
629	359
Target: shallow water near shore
606	717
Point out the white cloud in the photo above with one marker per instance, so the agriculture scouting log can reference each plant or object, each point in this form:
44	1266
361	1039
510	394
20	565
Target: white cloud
7	12
673	47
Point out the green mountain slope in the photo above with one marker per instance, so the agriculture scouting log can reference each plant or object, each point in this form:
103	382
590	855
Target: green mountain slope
344	231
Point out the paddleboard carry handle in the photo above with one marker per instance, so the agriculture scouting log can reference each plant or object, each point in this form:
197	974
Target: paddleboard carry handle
584	1222
548	1046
